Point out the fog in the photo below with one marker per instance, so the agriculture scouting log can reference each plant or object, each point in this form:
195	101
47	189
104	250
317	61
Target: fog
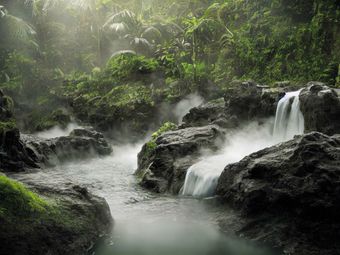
184	106
58	131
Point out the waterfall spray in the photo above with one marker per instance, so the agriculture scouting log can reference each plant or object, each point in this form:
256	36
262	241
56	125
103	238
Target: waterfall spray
201	178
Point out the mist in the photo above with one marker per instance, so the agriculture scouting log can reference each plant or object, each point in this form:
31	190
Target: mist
183	107
58	131
201	179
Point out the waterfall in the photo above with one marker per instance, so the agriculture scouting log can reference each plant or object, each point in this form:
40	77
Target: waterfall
289	120
201	178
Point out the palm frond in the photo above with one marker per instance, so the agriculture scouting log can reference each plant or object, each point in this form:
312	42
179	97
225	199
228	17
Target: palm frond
19	29
123	16
152	34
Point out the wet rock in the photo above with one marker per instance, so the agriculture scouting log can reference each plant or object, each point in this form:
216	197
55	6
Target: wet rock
14	155
81	143
162	167
289	194
320	106
75	222
249	101
205	114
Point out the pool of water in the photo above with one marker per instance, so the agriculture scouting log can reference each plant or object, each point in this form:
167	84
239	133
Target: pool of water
148	223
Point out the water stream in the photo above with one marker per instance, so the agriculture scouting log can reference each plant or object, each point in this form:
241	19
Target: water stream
151	224
201	178
147	223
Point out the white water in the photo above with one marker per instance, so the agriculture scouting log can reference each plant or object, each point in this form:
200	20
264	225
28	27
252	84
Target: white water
201	178
289	120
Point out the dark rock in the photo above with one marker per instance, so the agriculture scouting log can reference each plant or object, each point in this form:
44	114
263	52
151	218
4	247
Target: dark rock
289	194
78	220
164	167
205	114
248	101
81	143
14	155
320	106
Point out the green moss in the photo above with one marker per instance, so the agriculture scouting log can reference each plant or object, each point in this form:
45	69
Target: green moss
151	145
16	201
167	126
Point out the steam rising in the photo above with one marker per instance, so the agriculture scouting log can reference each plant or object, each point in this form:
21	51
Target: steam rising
184	106
58	131
201	179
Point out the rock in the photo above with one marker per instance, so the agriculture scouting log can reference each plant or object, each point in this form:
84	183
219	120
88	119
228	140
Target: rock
163	168
249	101
76	221
320	106
290	194
81	143
14	156
205	114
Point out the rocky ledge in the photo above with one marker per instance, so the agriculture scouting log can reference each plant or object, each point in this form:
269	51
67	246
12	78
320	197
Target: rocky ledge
62	220
320	106
80	144
162	167
290	193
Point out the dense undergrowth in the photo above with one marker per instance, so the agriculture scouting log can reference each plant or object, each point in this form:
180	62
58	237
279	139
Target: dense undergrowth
117	61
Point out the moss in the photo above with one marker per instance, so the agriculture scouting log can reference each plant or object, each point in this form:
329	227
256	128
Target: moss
16	201
151	145
167	126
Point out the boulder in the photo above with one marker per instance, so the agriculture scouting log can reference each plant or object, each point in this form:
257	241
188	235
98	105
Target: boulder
212	112
14	156
320	106
290	192
162	167
73	223
81	143
249	101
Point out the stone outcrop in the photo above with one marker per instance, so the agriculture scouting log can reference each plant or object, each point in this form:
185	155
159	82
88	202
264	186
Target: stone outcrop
163	167
248	101
292	187
75	222
212	112
320	106
14	156
80	144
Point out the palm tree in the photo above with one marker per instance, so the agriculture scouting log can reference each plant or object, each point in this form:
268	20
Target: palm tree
125	27
15	30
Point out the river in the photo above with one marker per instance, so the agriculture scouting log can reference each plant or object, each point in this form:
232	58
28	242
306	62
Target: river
147	223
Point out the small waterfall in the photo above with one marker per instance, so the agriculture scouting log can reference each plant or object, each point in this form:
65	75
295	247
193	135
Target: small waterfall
201	178
289	120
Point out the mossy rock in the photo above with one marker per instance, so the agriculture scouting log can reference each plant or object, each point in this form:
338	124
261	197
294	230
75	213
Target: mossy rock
57	221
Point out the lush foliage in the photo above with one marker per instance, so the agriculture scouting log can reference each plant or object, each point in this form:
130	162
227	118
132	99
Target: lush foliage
89	51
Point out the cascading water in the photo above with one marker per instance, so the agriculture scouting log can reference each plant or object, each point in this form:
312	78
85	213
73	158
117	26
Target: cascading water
289	120
201	178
